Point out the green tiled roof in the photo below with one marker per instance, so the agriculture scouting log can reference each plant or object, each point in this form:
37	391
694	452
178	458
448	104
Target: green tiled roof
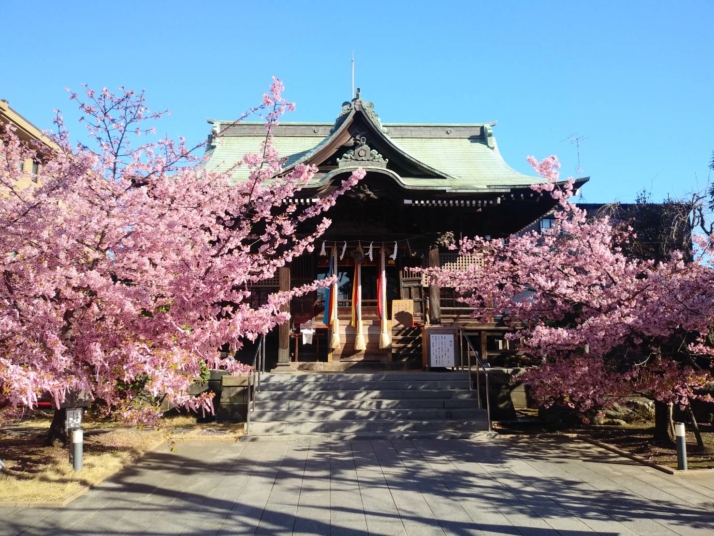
472	165
465	156
229	150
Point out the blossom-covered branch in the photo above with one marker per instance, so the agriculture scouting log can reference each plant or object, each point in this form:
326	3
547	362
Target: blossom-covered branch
133	265
600	322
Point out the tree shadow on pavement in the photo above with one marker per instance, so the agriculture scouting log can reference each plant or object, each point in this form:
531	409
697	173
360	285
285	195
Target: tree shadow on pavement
505	486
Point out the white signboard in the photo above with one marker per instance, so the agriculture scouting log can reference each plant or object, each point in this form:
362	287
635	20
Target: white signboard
442	350
74	418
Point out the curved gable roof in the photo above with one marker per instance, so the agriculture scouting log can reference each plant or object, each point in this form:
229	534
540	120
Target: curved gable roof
444	157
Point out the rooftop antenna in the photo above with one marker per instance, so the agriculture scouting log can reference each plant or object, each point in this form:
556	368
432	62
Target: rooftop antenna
577	140
353	74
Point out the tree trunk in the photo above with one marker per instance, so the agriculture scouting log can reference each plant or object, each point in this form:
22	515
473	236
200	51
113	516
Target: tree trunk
695	425
664	426
58	428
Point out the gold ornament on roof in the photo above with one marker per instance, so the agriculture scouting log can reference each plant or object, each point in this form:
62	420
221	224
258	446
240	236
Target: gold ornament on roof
361	155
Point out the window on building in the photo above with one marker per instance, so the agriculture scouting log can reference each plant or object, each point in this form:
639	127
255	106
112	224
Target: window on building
35	170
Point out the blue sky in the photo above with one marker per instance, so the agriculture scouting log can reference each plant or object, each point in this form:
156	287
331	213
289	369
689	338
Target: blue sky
635	78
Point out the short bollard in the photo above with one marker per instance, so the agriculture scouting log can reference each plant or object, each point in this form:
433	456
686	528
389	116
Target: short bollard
681	434
77	445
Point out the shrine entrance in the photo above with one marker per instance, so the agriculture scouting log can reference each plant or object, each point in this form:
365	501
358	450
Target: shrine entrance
353	261
425	187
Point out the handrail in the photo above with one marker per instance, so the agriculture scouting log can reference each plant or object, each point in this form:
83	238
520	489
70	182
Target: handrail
260	355
470	349
258	367
247	409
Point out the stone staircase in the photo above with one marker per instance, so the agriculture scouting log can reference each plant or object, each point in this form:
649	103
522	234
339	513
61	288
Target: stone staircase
366	406
406	344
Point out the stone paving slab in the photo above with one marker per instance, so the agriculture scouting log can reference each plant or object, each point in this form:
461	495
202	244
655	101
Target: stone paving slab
504	486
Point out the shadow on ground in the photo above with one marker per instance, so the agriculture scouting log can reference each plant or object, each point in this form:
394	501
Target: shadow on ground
507	486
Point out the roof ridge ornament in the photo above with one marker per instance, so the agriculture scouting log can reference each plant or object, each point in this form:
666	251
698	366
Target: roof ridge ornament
488	134
358	104
361	155
214	135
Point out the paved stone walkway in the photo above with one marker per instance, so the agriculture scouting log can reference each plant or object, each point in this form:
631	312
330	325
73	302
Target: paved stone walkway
505	486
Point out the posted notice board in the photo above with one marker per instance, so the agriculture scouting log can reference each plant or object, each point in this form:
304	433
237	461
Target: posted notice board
403	313
441	347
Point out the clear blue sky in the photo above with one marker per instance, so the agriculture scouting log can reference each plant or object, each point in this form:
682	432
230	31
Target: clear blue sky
636	78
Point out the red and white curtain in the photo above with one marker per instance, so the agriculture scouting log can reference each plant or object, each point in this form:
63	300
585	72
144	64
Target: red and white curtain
357	308
385	339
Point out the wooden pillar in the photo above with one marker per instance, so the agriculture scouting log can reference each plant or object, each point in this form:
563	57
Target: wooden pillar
284	329
434	291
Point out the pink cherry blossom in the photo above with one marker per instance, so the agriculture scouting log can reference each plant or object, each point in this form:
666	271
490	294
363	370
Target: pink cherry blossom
128	267
599	324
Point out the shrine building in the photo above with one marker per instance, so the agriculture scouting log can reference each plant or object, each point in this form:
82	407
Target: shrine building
427	185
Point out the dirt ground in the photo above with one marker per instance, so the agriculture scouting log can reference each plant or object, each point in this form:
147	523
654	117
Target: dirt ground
35	473
634	438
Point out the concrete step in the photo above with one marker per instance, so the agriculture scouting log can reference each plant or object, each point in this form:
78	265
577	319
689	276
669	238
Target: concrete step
363	377
367	405
261	415
330	405
480	435
375	426
366	386
353	366
355	395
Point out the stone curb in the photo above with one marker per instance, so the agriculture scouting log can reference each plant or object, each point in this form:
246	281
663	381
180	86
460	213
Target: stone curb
327	437
629	455
633	457
231	439
235	437
53	504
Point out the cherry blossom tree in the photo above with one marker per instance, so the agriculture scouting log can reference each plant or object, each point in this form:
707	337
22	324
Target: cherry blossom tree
597	323
127	267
